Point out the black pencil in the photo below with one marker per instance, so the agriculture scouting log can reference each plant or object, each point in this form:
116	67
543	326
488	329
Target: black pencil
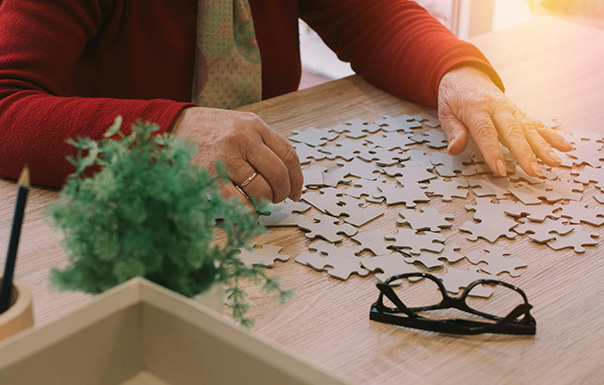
11	256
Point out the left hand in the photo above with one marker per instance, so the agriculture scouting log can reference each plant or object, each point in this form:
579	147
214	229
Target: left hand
470	103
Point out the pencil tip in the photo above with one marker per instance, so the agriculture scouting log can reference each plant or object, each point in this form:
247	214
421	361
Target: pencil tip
24	177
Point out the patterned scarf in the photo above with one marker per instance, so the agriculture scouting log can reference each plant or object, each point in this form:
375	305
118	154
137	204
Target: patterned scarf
227	58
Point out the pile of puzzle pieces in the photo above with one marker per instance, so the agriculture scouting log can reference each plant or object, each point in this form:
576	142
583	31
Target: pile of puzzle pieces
384	165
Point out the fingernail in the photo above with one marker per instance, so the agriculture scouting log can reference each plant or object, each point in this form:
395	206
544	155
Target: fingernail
501	170
536	169
555	157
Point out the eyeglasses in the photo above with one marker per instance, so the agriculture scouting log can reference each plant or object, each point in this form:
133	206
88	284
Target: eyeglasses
402	315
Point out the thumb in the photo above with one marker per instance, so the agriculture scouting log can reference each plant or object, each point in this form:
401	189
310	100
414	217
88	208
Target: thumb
457	133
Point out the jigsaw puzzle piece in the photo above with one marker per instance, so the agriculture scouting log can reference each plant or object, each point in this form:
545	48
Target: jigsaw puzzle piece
489	228
448	189
322	198
456	279
352	211
327	227
346	149
374	241
428	218
542	232
496	261
576	239
404	123
339	261
359	168
313	136
432	138
389	264
307	153
286	213
408	239
356	128
265	255
390	141
579	212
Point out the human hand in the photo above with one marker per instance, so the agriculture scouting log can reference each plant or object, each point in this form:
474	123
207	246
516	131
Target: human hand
246	145
469	103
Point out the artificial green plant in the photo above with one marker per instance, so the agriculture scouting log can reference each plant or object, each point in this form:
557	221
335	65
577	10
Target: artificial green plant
137	206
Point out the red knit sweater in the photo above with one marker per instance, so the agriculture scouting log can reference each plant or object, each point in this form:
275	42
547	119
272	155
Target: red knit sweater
68	67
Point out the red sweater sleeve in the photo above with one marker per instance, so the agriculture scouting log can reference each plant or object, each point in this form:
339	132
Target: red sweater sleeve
394	44
40	44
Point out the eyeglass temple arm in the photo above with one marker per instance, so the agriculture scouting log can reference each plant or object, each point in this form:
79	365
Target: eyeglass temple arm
386	290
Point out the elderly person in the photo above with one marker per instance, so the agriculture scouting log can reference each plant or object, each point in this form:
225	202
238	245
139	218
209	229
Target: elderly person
68	67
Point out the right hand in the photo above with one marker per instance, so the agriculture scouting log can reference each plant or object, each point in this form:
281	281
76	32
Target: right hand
246	145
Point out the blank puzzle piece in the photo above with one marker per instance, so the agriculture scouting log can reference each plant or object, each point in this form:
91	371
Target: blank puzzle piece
356	128
427	218
352	211
266	255
390	141
286	213
404	123
448	189
432	138
408	195
313	136
431	260
542	232
339	261
328	228
307	153
490	228
374	241
497	263
359	168
389	264
408	239
456	279
322	198
346	149
579	212
576	239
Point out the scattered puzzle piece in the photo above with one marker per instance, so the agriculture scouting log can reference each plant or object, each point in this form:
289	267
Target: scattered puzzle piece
306	153
455	280
328	228
286	213
497	263
352	211
408	195
322	198
579	212
432	138
490	228
576	239
359	168
404	123
448	189
313	136
542	232
374	241
339	261
266	255
530	195
408	239
498	188
346	149
390	141
389	264
428	218
356	128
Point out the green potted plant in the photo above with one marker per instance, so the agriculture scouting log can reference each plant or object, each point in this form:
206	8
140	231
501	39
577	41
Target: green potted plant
146	211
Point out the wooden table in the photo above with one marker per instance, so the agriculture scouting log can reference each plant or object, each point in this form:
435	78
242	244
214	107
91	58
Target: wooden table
551	68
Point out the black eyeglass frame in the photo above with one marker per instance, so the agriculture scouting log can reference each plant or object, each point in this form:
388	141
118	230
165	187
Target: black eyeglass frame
510	324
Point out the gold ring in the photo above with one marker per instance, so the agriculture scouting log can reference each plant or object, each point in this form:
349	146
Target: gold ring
248	180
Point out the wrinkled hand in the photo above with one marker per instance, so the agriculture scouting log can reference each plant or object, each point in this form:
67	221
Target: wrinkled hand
469	103
246	145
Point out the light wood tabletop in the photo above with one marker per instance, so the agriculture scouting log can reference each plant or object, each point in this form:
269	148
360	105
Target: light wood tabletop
551	68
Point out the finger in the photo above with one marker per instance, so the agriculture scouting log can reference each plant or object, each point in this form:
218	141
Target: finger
513	137
552	136
272	168
229	190
456	131
289	158
258	187
540	147
485	135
